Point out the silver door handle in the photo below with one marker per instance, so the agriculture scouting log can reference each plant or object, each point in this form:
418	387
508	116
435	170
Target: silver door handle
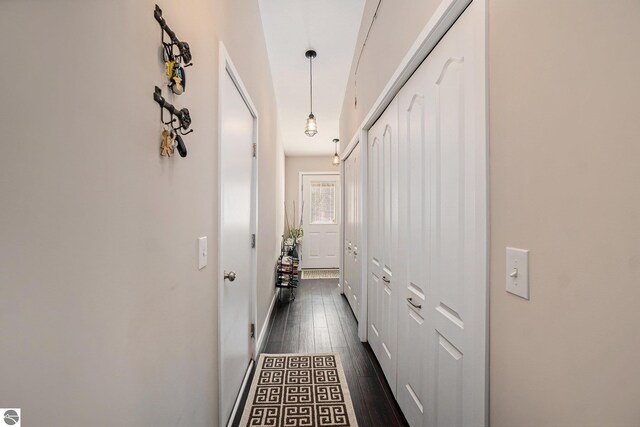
410	301
384	278
231	276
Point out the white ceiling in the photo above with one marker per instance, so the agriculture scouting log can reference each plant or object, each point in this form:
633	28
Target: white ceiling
291	27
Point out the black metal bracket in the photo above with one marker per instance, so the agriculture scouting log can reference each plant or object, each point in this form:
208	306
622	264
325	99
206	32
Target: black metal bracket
182	115
183	47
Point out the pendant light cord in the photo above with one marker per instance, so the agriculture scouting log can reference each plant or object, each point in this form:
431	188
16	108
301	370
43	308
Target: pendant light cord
311	84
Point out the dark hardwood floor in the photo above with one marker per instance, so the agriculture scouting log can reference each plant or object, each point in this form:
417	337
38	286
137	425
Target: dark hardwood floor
320	320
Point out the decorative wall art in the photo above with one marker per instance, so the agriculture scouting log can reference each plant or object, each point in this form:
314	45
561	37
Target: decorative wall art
175	63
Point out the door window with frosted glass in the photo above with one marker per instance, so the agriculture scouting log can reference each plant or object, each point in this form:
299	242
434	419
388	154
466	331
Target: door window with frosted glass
323	203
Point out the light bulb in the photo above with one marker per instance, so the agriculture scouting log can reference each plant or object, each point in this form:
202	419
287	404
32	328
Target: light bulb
312	127
336	159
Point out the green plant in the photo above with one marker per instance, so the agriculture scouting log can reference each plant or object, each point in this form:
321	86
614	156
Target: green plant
295	232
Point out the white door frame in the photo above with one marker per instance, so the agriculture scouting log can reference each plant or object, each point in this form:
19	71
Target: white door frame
442	20
226	67
301	175
341	232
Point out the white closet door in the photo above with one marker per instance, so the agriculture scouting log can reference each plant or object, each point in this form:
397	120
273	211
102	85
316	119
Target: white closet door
383	224
346	255
356	277
442	344
414	328
351	255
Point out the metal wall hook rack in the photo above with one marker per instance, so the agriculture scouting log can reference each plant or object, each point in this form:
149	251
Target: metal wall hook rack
182	115
185	52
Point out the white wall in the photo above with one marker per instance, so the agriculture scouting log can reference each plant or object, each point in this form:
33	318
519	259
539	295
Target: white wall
395	28
564	183
104	315
564	90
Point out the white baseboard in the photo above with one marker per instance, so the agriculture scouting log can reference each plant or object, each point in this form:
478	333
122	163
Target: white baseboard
261	337
267	320
236	405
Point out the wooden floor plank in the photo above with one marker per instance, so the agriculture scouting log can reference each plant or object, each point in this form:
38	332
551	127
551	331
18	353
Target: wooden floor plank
307	339
279	321
321	337
291	343
319	317
380	410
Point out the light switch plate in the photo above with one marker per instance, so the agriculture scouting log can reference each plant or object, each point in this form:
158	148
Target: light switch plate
202	252
517	274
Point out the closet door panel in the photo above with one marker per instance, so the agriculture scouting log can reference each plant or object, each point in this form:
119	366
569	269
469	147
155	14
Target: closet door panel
374	281
352	223
441	379
354	159
347	229
384	225
458	225
449	304
357	194
414	198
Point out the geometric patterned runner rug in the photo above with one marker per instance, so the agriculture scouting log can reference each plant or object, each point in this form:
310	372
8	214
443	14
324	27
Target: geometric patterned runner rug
306	389
320	273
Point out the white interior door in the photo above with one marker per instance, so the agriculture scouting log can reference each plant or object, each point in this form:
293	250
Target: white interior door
383	285
442	323
352	223
321	220
235	252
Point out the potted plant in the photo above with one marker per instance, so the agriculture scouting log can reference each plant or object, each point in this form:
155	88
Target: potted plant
295	232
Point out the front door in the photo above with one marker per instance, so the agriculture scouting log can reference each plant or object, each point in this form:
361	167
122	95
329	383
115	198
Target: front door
320	220
235	252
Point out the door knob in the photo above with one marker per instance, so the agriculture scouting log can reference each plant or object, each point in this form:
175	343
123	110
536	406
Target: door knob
231	276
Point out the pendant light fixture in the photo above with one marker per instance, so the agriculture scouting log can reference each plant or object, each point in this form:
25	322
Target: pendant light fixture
336	158
312	127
